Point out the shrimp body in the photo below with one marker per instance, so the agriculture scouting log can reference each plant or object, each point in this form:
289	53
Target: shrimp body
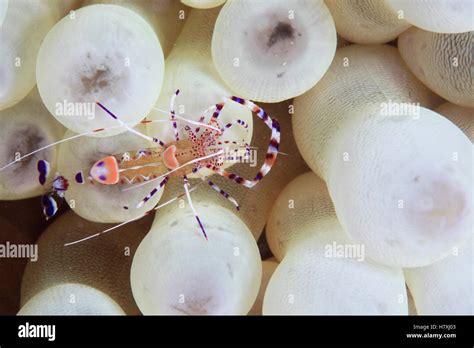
203	148
178	158
133	167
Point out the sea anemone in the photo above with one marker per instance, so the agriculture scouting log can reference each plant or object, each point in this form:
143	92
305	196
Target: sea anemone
270	51
352	129
103	53
318	273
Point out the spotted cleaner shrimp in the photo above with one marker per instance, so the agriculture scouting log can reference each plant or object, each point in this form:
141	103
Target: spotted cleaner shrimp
178	158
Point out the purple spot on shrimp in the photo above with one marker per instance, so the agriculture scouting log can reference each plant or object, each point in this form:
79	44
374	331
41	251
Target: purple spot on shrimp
100	164
42	179
158	141
202	227
79	178
50	206
43	167
238	100
102	177
106	110
276	124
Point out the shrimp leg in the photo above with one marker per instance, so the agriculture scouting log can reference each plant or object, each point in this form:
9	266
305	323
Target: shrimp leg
242	123
186	190
173	115
272	150
152	193
131	220
225	194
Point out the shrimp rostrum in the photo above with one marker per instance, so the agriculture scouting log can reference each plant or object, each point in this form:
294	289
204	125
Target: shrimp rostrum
204	147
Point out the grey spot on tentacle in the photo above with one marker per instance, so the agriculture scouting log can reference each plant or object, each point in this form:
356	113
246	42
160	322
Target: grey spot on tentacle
282	31
27	139
229	269
98	80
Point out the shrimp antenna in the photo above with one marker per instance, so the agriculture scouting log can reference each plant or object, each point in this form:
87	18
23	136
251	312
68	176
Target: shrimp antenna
71	138
279	152
131	220
130	129
196	123
128	126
